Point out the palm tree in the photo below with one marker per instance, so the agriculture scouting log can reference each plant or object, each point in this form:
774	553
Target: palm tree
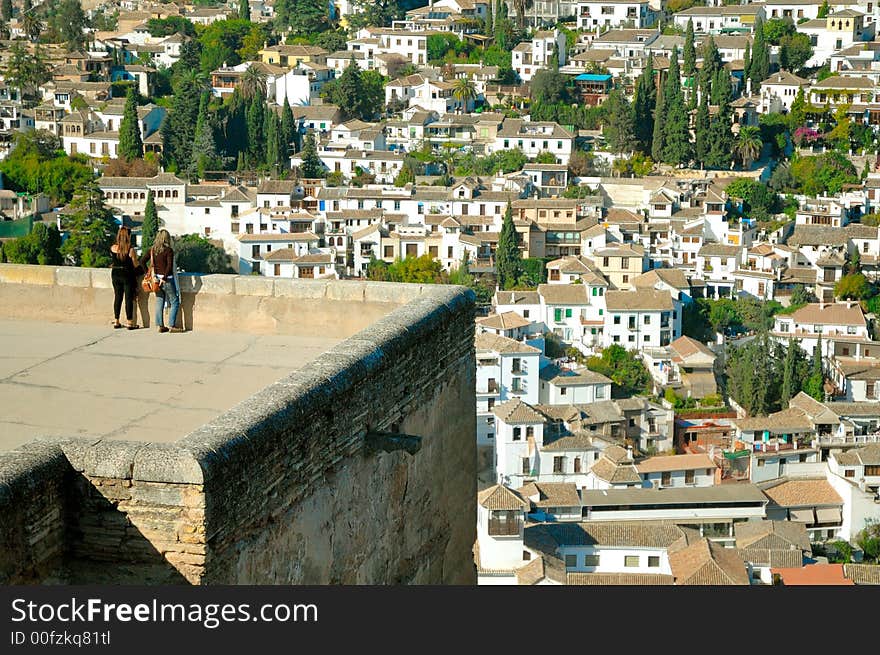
31	25
253	81
748	145
464	91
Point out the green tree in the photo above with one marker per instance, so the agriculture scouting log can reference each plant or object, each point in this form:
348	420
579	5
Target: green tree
824	9
38	165
160	27
747	60
854	286
274	145
789	380
179	126
288	128
150	226
549	86
643	107
68	24
91	229
814	385
196	254
701	130
256	119
677	148
252	83
464	91
6	10
25	71
204	149
619	123
508	257
406	174
130	144
760	64
244	10
794	51
748	145
312	166
624	368
658	142
690	53
40	246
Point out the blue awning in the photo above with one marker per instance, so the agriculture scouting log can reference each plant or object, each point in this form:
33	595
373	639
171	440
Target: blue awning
592	77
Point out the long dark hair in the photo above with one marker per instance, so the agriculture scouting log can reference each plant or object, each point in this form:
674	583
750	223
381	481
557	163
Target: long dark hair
123	243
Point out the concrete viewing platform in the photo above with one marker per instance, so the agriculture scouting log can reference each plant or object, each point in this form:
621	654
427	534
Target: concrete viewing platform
86	380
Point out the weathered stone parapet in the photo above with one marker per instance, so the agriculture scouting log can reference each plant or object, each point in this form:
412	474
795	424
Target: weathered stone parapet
282	488
32	512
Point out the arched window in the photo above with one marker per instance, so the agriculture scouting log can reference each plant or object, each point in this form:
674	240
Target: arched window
128	196
143	196
174	193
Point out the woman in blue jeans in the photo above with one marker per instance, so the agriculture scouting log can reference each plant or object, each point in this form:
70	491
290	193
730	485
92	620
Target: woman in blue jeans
163	268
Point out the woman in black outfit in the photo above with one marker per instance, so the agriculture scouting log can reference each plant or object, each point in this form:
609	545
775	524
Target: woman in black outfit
122	272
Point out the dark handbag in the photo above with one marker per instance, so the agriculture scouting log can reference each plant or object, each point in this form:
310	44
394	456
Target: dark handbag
150	283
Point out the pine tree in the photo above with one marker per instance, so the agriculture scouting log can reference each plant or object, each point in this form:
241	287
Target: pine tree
690	53
759	68
508	259
311	166
90	228
255	124
288	129
701	130
644	105
204	150
151	223
620	124
179	127
676	135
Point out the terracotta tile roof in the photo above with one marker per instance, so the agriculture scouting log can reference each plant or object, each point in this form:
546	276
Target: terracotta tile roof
638	300
813	574
777	558
499	497
541	568
799	493
775	535
566	378
840	313
674	277
614	534
551	494
865	456
516	412
862	573
564	294
787	420
675	463
627	579
606	470
486	342
707	563
685	347
503	321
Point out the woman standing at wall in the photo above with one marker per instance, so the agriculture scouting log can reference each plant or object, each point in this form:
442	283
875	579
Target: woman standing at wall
122	273
162	257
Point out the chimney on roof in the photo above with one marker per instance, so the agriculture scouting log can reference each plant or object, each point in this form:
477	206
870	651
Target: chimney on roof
629	452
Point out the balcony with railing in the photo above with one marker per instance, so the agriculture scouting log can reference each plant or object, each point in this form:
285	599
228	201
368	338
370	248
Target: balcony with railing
505	528
847	440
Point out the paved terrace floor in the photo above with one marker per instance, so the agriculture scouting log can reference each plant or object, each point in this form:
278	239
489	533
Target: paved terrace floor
64	379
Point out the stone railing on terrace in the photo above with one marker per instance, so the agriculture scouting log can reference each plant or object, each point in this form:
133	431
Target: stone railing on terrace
281	488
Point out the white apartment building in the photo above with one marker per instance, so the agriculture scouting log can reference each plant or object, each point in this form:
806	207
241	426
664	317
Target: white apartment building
843	321
572	386
528	57
779	91
506	369
712	20
638	14
644	318
836	31
534	138
664	472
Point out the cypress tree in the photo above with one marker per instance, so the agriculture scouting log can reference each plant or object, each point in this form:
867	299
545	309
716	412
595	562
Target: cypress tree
747	61
204	152
255	123
273	142
288	128
508	259
179	127
151	223
701	130
816	381
788	374
676	136
244	10
644	104
619	125
711	63
690	53
130	144
759	68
